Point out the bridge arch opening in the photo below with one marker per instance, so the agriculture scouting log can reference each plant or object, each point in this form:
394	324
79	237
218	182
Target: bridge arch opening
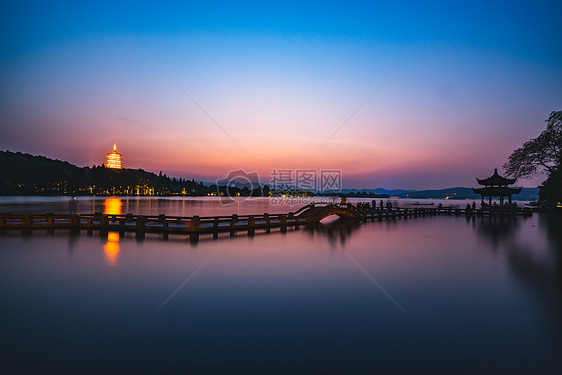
329	219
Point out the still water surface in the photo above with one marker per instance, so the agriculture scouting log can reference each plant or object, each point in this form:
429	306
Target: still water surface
423	295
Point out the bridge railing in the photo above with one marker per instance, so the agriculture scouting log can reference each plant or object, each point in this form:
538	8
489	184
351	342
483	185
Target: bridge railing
221	223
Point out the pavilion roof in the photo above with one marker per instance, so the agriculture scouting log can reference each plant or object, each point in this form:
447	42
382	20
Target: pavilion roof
496	180
496	191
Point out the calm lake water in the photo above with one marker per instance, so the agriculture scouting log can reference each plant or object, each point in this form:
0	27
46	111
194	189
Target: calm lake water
442	294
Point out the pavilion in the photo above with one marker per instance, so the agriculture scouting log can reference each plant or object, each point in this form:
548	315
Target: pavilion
496	186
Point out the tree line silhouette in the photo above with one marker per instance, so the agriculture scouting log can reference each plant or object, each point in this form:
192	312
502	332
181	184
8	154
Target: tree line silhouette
25	174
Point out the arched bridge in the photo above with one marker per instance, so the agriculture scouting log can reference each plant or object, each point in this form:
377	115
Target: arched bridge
315	213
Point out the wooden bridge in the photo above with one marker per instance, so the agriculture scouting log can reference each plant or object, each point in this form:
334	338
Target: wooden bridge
196	225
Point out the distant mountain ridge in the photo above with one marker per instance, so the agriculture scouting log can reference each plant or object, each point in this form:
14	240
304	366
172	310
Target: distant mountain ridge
393	192
450	193
527	194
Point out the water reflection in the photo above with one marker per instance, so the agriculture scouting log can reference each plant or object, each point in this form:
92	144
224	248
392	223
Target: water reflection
112	206
483	295
339	229
536	263
111	249
73	236
497	229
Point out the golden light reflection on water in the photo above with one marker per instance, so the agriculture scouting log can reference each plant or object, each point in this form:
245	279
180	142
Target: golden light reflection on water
111	249
112	206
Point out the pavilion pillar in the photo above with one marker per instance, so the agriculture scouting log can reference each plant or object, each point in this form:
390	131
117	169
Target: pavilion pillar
490	200
510	200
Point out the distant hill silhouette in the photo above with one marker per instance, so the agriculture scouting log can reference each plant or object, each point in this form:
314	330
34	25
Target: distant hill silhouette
25	174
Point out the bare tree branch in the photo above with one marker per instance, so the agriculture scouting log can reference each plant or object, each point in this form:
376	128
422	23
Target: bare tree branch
538	155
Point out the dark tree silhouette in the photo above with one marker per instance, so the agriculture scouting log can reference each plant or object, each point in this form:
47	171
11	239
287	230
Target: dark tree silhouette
542	155
550	192
539	155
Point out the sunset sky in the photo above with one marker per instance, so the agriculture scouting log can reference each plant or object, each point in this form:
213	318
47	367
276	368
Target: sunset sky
471	83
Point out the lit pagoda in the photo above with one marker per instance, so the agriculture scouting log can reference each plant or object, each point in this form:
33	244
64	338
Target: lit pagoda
114	159
496	186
